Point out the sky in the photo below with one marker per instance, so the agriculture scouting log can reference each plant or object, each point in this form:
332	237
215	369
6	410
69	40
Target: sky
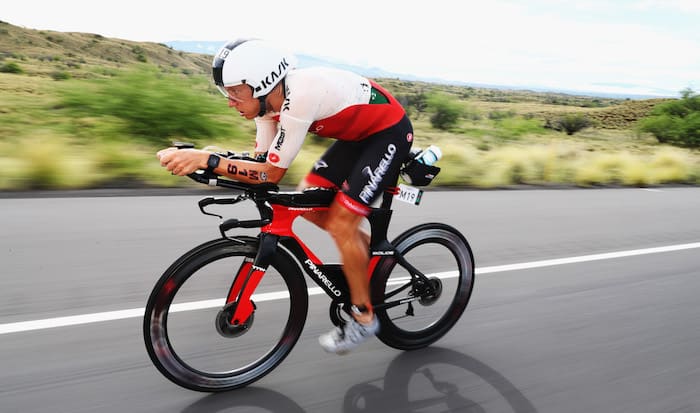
646	47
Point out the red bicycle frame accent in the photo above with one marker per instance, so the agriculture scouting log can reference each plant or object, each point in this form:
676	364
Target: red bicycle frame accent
282	222
251	271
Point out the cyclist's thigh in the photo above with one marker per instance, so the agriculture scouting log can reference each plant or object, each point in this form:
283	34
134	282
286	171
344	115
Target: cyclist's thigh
378	165
335	164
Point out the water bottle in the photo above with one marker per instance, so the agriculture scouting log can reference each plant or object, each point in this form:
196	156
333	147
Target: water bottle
430	155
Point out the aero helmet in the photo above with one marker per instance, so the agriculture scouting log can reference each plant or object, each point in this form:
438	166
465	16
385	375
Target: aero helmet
254	62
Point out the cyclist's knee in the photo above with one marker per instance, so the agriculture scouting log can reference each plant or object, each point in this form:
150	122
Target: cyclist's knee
342	224
319	218
315	181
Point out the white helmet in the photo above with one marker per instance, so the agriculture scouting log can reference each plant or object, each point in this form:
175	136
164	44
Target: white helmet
254	62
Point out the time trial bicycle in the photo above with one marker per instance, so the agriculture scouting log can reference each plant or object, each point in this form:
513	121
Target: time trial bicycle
230	310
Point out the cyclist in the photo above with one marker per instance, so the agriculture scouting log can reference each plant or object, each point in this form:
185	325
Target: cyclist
373	136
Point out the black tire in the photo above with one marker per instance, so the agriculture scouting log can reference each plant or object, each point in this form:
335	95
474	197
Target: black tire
443	254
185	345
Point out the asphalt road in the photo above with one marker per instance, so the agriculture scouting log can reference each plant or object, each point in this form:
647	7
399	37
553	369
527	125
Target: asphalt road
585	301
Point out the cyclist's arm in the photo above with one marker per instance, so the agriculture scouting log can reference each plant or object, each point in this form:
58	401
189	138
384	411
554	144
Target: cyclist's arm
186	161
265	131
288	141
281	150
249	171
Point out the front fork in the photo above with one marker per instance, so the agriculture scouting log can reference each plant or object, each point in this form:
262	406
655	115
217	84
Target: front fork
248	277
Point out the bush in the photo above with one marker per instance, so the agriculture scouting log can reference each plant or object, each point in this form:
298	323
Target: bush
676	122
501	114
60	75
447	111
11	67
570	123
47	161
417	102
152	107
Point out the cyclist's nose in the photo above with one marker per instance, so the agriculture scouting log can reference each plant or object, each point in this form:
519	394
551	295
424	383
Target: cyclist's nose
232	103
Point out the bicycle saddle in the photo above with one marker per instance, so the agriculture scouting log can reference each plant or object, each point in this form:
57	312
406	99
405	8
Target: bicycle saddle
310	197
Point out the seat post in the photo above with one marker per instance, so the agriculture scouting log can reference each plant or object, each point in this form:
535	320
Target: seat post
388	195
387	199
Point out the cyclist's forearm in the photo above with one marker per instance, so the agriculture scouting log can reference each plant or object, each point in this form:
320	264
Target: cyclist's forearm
249	172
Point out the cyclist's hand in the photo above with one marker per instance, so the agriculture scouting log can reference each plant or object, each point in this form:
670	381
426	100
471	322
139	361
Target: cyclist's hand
183	161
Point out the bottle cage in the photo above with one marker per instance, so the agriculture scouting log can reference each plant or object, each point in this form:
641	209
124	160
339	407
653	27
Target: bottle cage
417	173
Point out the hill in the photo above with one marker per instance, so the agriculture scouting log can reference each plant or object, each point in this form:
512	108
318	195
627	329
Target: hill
85	55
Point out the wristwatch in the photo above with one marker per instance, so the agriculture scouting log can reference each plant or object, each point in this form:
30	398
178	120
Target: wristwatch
213	162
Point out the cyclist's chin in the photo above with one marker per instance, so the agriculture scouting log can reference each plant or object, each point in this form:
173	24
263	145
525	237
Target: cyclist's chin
247	115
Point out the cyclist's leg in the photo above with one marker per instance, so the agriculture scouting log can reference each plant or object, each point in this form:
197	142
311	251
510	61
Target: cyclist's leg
331	171
375	169
343	225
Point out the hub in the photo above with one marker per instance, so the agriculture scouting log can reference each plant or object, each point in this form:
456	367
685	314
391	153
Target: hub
432	293
223	322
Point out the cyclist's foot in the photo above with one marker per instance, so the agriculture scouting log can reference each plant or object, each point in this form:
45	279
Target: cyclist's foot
353	333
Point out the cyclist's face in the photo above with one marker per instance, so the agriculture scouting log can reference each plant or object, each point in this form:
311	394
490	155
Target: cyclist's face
241	98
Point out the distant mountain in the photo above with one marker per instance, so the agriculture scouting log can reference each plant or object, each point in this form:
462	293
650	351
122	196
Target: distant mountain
211	47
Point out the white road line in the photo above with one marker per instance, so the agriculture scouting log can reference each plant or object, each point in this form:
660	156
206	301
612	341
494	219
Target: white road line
24	326
586	258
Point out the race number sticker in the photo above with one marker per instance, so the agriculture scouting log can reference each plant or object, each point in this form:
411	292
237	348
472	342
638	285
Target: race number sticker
409	194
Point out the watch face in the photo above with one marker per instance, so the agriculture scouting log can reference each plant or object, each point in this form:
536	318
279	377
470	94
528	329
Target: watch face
213	161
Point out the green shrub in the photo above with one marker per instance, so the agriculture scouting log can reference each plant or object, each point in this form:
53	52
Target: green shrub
447	111
676	122
501	114
60	75
516	127
417	102
140	53
471	114
569	123
151	107
11	67
47	161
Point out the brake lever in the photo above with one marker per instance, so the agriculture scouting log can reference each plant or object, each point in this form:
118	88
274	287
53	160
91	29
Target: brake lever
205	202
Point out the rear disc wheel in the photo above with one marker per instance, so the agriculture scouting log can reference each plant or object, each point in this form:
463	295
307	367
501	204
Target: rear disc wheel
422	314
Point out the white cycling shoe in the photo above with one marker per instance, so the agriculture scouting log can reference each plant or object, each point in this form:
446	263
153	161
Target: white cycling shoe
342	340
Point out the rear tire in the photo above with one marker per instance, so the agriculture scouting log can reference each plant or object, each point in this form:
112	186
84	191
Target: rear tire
441	253
180	322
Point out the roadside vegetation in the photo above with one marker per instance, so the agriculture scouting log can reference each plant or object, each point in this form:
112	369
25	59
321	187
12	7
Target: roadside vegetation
83	111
